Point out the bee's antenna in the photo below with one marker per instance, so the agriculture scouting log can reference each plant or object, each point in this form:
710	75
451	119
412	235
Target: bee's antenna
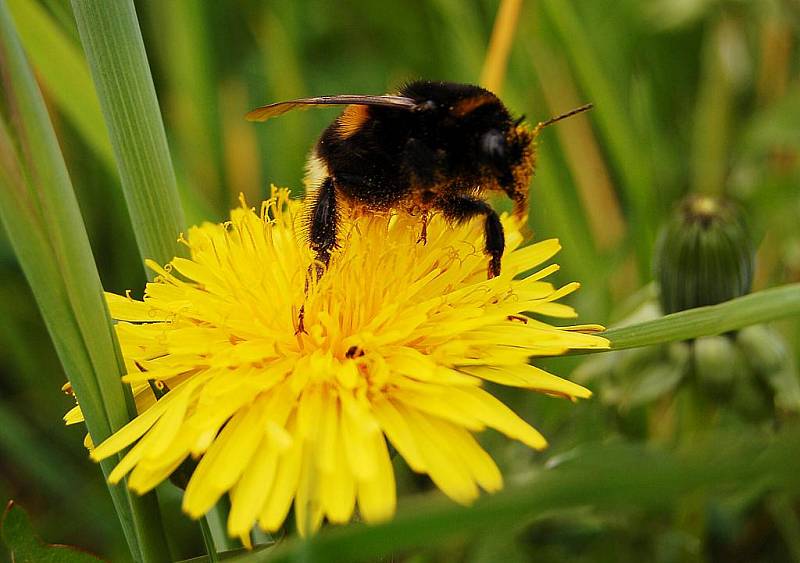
543	124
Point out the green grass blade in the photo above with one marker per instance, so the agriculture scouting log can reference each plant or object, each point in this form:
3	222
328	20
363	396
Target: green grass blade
44	226
41	216
603	477
63	72
113	44
610	113
208	540
760	307
191	99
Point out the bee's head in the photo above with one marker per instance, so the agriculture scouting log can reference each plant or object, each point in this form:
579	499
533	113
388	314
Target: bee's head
512	154
494	147
508	153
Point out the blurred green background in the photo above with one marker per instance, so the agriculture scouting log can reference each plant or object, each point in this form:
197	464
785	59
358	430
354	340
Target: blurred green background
690	96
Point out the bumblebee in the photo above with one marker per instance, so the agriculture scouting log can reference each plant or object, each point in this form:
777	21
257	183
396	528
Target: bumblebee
435	146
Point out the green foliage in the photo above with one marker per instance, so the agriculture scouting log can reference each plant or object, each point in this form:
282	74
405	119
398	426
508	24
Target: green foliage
41	217
610	103
621	475
26	547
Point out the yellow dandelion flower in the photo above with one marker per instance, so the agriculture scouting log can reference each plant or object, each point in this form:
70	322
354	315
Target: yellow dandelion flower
399	338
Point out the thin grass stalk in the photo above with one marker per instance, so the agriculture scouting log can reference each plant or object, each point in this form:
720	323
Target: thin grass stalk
41	216
495	64
242	159
191	98
713	113
285	73
113	44
208	540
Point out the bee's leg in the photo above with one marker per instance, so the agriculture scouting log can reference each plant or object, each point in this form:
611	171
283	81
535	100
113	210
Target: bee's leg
322	234
460	208
323	223
301	318
301	314
423	236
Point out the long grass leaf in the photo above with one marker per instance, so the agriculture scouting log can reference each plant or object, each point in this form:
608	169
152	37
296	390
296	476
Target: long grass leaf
62	70
43	222
113	44
760	307
712	114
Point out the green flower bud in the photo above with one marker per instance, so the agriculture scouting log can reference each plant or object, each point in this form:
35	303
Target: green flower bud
703	256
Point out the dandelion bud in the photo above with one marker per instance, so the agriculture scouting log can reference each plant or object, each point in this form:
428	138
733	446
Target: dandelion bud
703	255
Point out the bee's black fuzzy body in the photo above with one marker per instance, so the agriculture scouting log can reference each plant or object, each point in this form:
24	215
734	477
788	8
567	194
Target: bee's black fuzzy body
456	143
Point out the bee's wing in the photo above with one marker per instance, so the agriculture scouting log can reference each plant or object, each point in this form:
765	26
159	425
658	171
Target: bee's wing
273	110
